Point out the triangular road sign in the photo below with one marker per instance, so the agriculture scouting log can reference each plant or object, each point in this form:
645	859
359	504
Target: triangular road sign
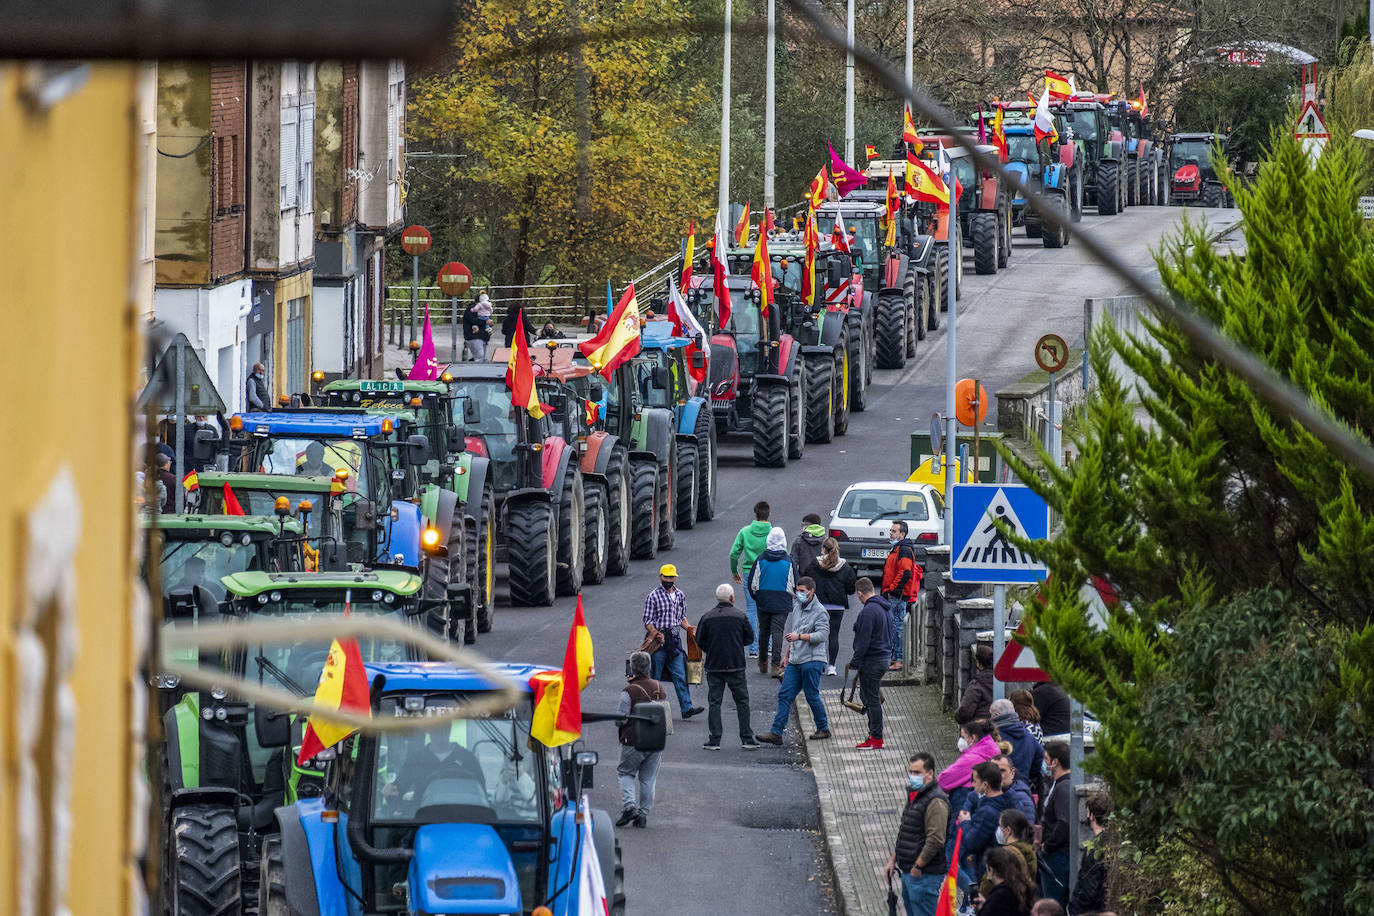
1018	663
987	548
199	397
1311	124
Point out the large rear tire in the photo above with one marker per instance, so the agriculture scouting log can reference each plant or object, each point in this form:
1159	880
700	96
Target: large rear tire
770	424
272	883
820	407
797	398
890	331
619	513
205	872
1132	183
618	885
667	499
484	591
688	491
596	533
572	551
644	511
707	464
985	232
1211	195
1054	236
911	294
857	363
938	277
532	545
1033	230
1107	190
1004	243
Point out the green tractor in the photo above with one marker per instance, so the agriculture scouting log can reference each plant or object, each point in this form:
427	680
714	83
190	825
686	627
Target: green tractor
307	501
1098	147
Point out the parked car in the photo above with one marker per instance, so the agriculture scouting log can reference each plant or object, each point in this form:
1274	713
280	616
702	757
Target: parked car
866	510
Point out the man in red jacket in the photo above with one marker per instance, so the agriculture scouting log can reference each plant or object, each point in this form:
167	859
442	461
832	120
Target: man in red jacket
901	583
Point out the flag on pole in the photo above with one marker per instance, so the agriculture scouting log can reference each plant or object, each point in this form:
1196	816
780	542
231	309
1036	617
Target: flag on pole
618	339
811	237
591	887
191	481
948	902
1057	86
718	273
1144	109
426	368
1044	121
610	298
231	502
890	208
982	127
685	324
687	256
923	184
947	175
343	685
870	151
742	227
520	376
815	195
839	236
762	273
845	179
999	135
909	132
557	716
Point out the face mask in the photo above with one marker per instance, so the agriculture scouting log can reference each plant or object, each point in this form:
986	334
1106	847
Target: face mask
916	781
1001	837
894	541
963	744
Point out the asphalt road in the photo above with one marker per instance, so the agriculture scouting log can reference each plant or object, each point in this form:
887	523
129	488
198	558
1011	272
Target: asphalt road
743	827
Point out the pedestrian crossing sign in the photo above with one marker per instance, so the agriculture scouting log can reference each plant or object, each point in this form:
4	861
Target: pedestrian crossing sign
982	553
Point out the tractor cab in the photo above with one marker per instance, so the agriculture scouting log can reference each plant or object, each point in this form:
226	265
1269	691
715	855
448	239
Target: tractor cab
427	403
307	499
197	550
1195	168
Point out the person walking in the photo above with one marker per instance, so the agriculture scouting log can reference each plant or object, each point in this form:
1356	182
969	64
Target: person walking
807	635
1090	891
638	770
872	652
919	853
901	582
751	541
477	329
722	634
1055	812
835	582
1012	892
771	582
808	545
256	394
664	614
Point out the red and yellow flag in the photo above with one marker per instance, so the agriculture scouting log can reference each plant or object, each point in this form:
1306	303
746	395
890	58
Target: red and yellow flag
923	184
191	481
815	195
520	376
687	256
890	210
231	502
343	685
1058	86
811	237
557	694
999	135
948	903
762	274
870	151
909	132
742	227
618	339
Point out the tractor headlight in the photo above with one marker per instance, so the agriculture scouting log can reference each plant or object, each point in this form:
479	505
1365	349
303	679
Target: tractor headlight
227	539
218	693
357	397
275	596
207	714
166	681
262	598
221	714
246	539
388	598
377	595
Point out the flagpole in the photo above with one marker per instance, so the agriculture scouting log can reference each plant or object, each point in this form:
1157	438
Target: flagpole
910	28
951	424
768	96
849	87
724	202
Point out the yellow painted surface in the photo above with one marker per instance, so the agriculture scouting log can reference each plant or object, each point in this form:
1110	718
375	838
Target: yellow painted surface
68	190
299	286
183	175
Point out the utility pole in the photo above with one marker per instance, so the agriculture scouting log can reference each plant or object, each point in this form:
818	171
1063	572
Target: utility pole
910	28
724	203
768	96
951	423
849	88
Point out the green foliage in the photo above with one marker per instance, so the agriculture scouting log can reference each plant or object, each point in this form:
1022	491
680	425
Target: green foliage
1233	682
1246	102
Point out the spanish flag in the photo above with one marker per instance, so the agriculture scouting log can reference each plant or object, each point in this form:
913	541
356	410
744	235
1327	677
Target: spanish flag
999	135
520	376
948	903
762	273
870	151
191	481
343	685
231	502
815	195
687	257
557	694
909	132
618	339
811	237
923	184
1058	86
742	227
890	210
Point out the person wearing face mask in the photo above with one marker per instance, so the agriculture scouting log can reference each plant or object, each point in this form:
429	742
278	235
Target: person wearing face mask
1055	812
901	583
1013	832
1014	786
807	631
919	853
664	612
976	745
980	827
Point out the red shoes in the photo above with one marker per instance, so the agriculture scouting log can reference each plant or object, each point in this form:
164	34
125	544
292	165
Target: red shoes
870	744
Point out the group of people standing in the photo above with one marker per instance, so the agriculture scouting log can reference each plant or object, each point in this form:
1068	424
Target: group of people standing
477	328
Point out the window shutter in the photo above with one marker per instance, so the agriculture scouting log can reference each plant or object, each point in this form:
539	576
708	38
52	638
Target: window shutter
290	141
307	175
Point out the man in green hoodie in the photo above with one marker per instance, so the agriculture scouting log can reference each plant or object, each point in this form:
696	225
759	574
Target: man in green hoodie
751	541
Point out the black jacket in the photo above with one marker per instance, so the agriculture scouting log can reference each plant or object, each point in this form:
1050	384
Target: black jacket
1054	816
923	828
872	632
1002	901
722	634
475	327
1090	893
977	698
1053	705
511	321
833	586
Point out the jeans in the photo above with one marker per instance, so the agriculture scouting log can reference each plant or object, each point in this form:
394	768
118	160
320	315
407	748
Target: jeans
677	671
770	630
870	676
475	350
752	611
638	770
716	682
804	678
1052	871
920	895
836	617
896	609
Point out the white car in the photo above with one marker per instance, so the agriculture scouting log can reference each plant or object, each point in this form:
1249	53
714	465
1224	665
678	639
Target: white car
866	511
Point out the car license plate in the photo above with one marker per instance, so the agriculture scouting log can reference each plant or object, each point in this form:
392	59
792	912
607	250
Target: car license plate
873	553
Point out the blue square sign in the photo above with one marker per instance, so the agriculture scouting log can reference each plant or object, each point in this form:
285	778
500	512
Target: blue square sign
980	552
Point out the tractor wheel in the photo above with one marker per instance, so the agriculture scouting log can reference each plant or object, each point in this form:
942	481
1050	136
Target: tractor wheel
1107	190
911	295
667	499
617	900
572	551
1033	230
1004	246
843	394
858	364
938	276
1211	195
985	233
619	512
926	292
485	591
272	880
1076	196
596	532
891	331
1054	237
1133	183
870	342
205	871
706	465
532	543
688	492
644	514
820	408
771	427
797	398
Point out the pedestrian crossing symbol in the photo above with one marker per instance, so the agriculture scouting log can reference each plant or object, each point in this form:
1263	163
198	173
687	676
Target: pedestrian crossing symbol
982	552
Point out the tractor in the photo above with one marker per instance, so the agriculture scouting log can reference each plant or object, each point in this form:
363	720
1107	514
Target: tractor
1141	168
1085	122
497	827
1194	177
1037	164
926	263
1063	152
307	500
758	377
225	764
932	220
984	208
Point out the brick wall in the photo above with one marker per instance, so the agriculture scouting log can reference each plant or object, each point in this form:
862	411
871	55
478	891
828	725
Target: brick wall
228	190
349	209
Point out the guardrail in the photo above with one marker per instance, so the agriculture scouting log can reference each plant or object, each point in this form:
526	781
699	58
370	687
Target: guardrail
561	303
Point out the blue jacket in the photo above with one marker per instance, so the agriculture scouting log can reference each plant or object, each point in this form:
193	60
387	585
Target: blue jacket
1020	794
872	632
980	831
1026	753
771	582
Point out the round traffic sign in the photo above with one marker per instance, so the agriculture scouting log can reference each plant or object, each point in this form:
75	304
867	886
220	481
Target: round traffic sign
1051	353
936	432
454	279
415	240
965	391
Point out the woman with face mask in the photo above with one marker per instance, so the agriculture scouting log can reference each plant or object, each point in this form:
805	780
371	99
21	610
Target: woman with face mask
977	743
1014	832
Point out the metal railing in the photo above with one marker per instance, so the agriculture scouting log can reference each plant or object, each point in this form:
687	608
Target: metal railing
561	303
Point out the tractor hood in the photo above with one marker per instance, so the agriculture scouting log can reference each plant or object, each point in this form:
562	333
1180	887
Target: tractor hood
1020	170
462	868
1187	177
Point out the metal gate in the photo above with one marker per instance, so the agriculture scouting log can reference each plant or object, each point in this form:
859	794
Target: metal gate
295	346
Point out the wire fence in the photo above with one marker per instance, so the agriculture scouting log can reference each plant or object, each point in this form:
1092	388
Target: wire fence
562	303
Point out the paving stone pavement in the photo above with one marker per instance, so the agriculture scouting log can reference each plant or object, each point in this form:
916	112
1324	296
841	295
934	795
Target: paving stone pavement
862	792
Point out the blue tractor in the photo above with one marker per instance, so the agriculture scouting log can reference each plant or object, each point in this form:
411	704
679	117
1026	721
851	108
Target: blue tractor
467	816
1038	165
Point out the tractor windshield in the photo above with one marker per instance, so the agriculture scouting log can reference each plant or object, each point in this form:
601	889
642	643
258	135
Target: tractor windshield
297	666
865	243
318	458
1190	152
787	272
644	382
263	501
186	564
1084	124
1021	148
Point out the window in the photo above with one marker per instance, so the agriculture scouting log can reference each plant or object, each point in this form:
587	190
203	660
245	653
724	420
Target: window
306	178
290	142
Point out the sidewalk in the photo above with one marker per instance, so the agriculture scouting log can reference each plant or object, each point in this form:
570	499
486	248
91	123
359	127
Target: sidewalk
862	792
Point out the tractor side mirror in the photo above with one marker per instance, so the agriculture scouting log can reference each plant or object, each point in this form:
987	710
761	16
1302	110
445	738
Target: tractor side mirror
417	449
595	391
365	517
205	445
650	728
456	441
698	360
661	378
472	414
273	728
834	274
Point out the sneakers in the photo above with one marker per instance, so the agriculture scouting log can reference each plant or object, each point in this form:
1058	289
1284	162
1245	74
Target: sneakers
641	819
769	738
711	744
694	711
753	653
749	744
626	816
869	744
830	670
821	734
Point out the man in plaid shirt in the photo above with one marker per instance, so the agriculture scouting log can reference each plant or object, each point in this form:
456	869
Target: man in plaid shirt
664	611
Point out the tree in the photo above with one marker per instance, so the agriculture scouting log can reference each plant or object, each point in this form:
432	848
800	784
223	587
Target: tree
1248	103
1239	545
